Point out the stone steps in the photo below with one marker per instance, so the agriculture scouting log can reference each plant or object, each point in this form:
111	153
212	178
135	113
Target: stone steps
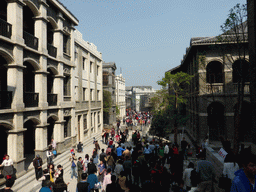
28	180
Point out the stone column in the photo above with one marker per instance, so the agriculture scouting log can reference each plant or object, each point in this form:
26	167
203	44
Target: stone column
59	132
15	142
15	69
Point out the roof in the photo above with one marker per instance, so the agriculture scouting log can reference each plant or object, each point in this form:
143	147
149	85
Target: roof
109	64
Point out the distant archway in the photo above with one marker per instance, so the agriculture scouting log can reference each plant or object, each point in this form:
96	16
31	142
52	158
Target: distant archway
214	72
240	71
216	121
245	133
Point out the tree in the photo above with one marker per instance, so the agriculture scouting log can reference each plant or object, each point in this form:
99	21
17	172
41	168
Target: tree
117	110
167	102
234	33
107	103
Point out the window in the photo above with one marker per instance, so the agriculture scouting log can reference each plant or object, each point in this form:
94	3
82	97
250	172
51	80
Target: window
66	44
91	119
67	127
214	72
105	78
66	85
85	122
76	93
98	95
84	63
98	70
98	117
91	94
91	65
84	94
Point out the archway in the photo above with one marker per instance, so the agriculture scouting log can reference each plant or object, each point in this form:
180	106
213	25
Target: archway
214	72
245	132
3	141
216	121
29	142
240	69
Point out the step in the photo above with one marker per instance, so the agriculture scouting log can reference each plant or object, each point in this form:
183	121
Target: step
62	159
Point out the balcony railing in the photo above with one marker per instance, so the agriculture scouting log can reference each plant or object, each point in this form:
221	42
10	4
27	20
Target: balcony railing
246	88
214	89
30	40
5	29
31	99
52	99
5	99
52	50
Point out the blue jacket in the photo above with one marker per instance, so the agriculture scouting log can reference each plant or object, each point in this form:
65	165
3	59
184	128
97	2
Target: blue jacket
92	180
241	183
119	151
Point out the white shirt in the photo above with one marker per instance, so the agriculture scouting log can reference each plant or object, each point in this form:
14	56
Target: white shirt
229	169
166	149
8	162
186	177
54	144
48	154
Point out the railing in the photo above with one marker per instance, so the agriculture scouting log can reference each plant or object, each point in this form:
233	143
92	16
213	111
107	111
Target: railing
5	99
214	89
51	50
31	99
5	29
246	88
52	99
30	40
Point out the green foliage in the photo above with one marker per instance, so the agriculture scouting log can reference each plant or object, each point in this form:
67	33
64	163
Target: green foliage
117	110
166	100
107	101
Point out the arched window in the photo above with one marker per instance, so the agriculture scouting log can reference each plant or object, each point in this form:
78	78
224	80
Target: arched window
214	72
216	120
240	69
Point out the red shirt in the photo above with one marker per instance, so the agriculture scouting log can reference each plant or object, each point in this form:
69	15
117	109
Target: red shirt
110	142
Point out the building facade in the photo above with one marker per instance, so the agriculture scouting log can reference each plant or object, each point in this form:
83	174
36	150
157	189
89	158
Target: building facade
120	96
213	90
109	74
137	97
88	88
37	84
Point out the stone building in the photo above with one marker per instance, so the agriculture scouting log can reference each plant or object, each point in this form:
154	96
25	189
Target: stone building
37	85
88	88
109	70
212	92
136	96
120	95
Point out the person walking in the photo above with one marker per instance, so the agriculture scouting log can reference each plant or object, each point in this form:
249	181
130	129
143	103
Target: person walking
206	173
245	178
187	176
95	156
83	186
119	151
92	180
79	169
119	167
8	168
107	180
91	167
49	155
37	163
106	137
101	171
110	161
102	156
73	161
8	186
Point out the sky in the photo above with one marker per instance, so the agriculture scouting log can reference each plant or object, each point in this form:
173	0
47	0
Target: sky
145	38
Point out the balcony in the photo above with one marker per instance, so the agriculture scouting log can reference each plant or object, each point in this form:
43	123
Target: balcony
5	99
31	99
216	88
246	88
30	40
52	51
5	29
52	99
